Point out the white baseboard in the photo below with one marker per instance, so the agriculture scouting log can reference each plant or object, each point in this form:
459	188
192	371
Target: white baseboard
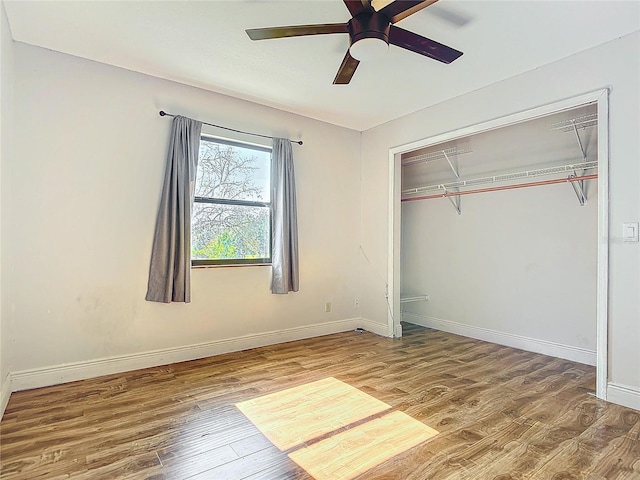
57	374
623	395
5	394
374	327
397	331
576	354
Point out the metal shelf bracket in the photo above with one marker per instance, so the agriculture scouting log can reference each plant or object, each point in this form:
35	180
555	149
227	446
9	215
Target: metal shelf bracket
572	125
455	170
578	186
455	200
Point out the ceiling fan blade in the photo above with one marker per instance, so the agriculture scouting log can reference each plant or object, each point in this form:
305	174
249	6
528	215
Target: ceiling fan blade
296	31
346	70
357	6
422	45
400	9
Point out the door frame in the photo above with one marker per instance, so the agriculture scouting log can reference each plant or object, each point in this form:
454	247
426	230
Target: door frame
598	97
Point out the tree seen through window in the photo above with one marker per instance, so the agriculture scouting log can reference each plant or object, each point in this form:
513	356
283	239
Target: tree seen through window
231	214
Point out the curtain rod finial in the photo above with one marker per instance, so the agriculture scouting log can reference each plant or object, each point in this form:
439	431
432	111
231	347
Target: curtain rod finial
162	113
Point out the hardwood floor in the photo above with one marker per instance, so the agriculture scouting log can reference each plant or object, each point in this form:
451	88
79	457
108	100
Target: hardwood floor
501	414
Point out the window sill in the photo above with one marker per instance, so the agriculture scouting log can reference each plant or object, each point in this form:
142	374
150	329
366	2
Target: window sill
198	267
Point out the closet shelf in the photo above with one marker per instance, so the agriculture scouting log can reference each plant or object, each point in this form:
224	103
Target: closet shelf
413	298
445	187
583	122
432	156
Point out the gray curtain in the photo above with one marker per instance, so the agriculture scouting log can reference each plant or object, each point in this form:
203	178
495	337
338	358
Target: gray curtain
170	270
284	219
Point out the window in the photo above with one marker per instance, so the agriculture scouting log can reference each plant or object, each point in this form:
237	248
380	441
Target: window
231	219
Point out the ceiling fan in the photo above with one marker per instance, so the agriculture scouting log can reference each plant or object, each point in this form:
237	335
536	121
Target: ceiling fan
370	33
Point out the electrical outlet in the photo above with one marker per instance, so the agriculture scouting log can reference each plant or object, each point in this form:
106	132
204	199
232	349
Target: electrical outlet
356	303
327	307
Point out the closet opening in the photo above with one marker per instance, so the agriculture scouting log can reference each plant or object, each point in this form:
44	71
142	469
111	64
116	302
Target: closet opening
499	231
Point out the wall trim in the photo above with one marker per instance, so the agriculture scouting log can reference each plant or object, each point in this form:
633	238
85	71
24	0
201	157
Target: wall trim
545	347
623	395
5	394
374	327
69	372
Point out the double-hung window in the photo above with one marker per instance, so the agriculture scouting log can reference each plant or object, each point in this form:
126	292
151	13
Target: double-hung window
231	218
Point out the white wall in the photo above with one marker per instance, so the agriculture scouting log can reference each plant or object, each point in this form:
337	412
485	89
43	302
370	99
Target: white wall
6	112
90	151
616	65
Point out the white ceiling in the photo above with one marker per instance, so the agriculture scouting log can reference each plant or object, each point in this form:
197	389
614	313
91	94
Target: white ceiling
203	43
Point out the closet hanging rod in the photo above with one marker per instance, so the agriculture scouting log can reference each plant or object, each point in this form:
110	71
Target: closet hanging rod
165	114
504	187
503	177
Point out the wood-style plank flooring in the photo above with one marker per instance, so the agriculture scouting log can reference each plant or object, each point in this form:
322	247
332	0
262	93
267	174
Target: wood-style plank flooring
502	414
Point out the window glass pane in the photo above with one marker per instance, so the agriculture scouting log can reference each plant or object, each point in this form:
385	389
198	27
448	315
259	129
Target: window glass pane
233	172
229	232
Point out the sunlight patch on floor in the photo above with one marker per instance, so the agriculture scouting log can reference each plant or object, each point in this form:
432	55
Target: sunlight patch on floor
352	452
311	419
296	415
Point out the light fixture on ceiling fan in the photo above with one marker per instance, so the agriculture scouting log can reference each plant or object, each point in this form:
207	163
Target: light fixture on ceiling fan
370	32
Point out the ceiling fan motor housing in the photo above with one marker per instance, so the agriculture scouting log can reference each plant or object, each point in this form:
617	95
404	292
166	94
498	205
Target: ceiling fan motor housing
369	25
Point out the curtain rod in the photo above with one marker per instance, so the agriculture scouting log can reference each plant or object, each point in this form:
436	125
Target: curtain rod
163	114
